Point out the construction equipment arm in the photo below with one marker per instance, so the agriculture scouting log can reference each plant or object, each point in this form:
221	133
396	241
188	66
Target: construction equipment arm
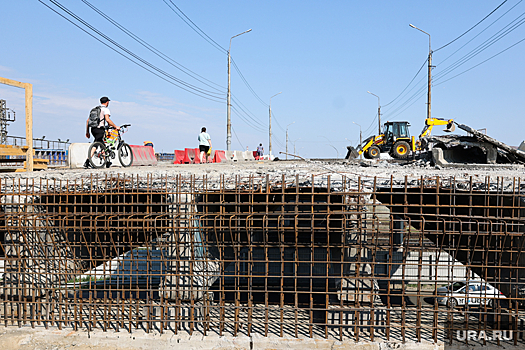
431	122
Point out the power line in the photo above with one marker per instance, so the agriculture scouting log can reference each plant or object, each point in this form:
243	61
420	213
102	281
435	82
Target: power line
424	63
241	107
154	50
247	121
413	96
461	61
195	27
246	83
242	147
421	92
474	26
145	64
488	59
483	46
274	118
247	112
481	32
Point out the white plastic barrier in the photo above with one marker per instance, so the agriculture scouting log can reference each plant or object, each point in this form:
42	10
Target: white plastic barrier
248	155
231	156
77	155
239	155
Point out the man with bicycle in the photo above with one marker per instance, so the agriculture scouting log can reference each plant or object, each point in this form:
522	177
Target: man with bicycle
99	130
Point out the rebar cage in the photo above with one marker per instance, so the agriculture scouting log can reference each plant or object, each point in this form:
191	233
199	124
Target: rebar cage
334	256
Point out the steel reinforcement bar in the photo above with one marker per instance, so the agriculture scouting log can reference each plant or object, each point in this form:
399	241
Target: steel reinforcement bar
336	256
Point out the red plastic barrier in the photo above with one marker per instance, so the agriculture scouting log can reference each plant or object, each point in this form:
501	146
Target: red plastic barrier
196	159
256	155
189	154
179	157
143	155
219	156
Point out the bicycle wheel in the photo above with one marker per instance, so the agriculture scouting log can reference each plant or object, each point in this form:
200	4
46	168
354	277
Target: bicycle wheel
125	155
97	154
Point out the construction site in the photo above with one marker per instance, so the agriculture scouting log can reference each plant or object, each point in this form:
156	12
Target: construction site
322	250
406	241
418	243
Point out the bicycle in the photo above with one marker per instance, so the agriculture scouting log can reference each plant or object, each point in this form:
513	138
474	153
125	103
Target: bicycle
101	153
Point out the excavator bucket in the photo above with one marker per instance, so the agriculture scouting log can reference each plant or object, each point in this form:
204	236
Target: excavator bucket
450	127
352	153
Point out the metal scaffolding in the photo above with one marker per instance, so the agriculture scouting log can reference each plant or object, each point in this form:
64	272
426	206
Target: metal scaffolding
6	116
323	256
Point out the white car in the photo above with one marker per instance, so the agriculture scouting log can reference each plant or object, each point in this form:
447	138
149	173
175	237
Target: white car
468	292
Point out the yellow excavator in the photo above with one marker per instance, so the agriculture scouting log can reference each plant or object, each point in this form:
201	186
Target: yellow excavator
396	140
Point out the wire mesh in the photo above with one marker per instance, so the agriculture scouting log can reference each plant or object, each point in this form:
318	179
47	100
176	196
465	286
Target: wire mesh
323	256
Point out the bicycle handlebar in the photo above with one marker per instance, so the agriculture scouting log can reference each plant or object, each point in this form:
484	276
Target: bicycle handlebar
122	126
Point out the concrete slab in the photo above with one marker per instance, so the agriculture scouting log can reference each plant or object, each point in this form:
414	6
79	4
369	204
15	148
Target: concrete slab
53	338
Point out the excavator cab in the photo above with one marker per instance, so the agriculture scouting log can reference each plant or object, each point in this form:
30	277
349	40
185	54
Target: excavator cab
397	139
395	131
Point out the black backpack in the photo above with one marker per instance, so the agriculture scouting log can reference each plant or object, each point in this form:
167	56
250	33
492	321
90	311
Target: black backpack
94	117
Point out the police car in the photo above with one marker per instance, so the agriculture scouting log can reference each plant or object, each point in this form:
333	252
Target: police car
468	292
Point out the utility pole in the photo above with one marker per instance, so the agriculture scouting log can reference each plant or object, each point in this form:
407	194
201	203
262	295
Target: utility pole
287	139
270	126
294	145
286	144
429	70
229	120
429	77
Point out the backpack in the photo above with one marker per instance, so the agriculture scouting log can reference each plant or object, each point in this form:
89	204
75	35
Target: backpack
94	117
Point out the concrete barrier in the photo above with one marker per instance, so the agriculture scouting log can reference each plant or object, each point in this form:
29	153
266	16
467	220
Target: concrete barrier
142	155
455	158
78	153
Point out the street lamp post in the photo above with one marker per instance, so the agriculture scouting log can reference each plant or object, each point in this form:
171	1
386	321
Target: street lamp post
287	139
429	69
294	145
378	111
229	120
270	125
329	144
360	137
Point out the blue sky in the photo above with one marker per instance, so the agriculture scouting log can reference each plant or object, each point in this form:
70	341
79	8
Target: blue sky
322	55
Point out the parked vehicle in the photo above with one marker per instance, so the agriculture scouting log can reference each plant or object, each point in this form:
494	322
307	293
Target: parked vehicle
468	292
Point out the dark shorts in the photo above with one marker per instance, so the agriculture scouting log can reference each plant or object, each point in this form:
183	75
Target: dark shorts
203	148
98	134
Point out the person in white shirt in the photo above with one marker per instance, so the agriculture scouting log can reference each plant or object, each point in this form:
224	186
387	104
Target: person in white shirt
204	144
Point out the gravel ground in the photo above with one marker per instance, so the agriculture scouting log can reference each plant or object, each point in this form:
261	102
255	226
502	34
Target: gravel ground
382	169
